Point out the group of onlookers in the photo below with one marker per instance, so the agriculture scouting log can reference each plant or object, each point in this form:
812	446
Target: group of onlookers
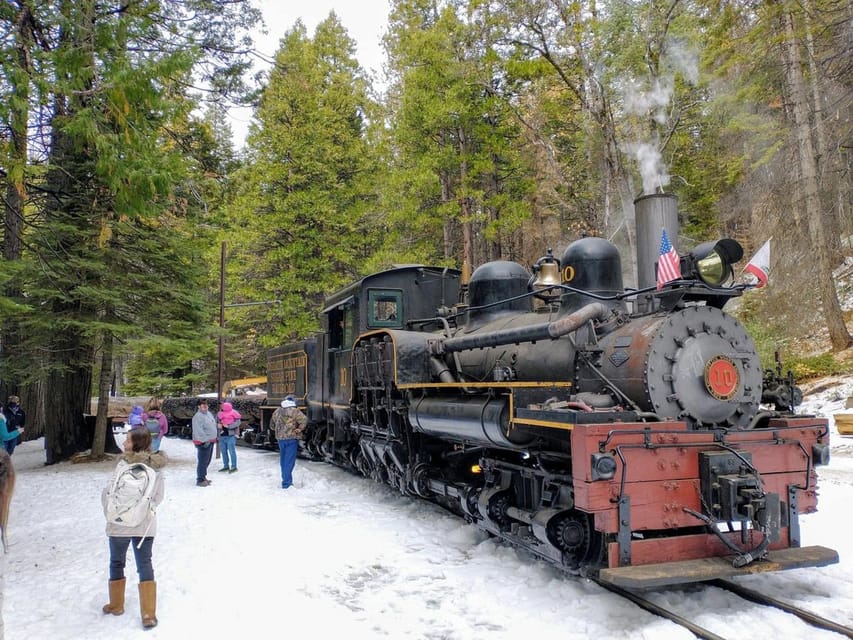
142	446
287	422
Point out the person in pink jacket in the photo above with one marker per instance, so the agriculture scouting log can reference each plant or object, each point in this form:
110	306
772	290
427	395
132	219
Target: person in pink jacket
228	420
159	431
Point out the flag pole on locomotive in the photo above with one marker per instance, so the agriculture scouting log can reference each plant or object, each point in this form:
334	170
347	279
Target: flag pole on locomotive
758	266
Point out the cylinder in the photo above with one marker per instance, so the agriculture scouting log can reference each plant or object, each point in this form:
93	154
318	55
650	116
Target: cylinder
475	419
653	214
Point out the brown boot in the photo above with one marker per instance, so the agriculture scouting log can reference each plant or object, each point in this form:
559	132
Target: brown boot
116	603
148	603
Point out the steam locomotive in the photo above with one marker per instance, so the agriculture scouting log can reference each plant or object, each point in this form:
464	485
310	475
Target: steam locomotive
630	435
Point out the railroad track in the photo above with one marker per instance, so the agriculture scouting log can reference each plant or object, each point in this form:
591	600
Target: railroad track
741	591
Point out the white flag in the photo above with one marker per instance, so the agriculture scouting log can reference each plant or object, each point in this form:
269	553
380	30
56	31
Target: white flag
759	265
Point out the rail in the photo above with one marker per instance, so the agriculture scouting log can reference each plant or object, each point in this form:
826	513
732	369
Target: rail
743	592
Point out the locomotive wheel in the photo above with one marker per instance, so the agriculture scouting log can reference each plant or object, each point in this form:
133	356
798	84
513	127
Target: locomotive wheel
469	503
497	510
572	532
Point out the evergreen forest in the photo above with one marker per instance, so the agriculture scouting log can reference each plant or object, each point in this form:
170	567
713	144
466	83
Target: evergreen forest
140	239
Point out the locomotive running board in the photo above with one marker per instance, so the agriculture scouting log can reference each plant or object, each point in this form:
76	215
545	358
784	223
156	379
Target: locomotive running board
670	573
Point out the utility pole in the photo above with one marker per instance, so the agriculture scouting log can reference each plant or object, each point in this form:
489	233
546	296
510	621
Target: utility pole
220	385
221	369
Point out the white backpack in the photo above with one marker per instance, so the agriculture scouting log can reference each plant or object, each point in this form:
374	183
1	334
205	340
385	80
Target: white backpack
130	494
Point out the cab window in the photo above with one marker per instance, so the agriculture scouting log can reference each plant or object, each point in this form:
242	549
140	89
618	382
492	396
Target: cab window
341	327
385	308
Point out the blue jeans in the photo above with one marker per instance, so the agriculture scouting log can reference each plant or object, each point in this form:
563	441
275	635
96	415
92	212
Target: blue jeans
141	553
10	445
228	447
287	457
155	443
205	454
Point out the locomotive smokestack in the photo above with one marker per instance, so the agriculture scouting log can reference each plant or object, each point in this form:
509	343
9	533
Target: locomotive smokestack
653	213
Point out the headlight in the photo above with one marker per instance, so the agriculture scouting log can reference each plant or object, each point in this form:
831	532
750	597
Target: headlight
711	262
603	466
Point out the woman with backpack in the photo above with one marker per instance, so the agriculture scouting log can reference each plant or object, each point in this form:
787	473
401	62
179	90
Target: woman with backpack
155	421
131	529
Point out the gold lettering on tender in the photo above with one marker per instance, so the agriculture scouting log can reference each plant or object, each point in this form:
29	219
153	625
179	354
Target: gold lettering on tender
283	372
568	273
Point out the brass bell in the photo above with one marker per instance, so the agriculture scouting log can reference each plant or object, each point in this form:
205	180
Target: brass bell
546	273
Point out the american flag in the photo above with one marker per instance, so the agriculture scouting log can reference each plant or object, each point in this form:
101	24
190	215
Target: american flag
669	266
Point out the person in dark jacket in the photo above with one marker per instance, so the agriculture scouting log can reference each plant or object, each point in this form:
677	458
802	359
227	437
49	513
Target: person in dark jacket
137	448
7	436
15	419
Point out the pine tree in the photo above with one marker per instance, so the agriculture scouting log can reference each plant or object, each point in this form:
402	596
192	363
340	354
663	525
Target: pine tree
305	194
454	145
109	254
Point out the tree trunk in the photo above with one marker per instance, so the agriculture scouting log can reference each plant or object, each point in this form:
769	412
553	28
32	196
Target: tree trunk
69	380
70	389
826	185
838	334
102	418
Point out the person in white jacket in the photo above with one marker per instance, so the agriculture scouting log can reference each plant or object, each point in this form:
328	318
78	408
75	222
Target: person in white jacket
137	448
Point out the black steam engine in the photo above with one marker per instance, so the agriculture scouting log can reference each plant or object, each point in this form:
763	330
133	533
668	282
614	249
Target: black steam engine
630	434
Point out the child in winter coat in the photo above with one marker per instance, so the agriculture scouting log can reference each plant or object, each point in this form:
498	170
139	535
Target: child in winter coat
229	422
135	418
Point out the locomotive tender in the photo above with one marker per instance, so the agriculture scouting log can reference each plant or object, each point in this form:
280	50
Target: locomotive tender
626	434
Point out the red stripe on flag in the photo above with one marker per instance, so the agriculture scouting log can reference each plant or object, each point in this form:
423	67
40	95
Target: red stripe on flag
669	264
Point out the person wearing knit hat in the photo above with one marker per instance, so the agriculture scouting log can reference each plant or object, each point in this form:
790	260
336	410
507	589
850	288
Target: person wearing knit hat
289	424
204	437
229	423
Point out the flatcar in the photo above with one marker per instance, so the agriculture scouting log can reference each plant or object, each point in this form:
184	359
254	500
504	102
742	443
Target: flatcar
626	434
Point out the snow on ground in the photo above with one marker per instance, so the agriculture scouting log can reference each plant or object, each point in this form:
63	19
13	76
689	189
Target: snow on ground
343	556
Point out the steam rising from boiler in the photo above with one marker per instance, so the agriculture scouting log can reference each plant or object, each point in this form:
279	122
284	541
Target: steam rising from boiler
651	166
654	98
